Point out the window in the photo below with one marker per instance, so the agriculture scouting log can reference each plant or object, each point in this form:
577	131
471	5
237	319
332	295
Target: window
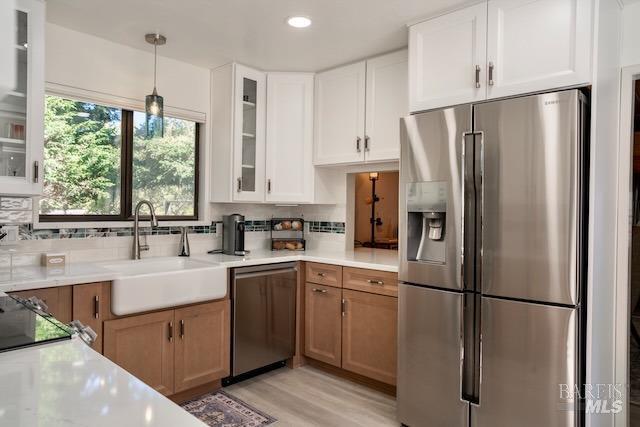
98	163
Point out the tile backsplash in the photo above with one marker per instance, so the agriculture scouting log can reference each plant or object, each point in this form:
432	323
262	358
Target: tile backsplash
16	210
324	229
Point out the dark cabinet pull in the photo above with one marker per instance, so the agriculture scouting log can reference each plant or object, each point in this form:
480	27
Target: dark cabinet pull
358	140
96	307
36	171
170	331
477	77
491	66
181	329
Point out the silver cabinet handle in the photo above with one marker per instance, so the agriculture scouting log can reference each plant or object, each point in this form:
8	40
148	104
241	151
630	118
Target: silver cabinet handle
96	307
366	143
344	307
477	77
375	282
239	185
322	291
491	66
36	171
358	140
181	329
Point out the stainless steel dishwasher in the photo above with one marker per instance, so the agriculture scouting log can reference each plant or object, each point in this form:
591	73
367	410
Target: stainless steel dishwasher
264	315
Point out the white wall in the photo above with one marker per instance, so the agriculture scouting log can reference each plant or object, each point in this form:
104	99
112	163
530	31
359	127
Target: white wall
631	34
604	137
87	62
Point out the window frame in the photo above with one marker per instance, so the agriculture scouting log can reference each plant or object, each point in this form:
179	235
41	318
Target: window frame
126	181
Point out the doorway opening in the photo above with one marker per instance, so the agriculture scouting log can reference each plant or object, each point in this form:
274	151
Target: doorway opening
376	210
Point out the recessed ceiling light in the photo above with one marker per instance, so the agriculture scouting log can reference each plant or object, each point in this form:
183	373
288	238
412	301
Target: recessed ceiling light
299	21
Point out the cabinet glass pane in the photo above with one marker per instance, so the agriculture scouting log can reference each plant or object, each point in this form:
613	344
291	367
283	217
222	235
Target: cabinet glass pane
13	110
249	93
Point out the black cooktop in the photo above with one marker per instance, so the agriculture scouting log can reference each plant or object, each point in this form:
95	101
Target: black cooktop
22	325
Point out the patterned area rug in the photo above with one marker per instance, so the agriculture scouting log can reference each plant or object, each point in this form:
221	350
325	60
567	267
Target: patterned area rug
220	409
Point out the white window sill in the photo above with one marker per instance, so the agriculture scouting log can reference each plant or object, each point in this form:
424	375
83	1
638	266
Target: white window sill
114	224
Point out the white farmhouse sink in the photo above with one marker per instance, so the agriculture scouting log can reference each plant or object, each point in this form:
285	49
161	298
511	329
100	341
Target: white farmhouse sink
155	283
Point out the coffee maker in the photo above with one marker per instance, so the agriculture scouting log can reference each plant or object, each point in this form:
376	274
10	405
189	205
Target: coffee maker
233	235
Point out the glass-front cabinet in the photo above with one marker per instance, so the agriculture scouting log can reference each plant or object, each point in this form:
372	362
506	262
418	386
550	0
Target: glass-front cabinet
22	108
249	134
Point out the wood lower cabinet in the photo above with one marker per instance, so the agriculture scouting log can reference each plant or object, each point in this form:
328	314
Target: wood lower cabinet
90	306
202	344
369	335
353	327
323	323
57	299
143	345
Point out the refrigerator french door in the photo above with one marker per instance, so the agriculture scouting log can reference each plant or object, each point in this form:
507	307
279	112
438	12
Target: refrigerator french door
491	249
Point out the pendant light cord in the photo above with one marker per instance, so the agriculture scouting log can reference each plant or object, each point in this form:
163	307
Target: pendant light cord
155	63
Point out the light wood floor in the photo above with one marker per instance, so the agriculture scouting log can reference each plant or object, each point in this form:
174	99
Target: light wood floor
309	397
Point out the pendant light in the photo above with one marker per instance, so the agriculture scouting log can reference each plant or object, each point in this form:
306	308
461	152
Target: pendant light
154	103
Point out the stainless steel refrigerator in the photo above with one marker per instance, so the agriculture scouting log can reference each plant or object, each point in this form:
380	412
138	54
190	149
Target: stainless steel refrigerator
492	260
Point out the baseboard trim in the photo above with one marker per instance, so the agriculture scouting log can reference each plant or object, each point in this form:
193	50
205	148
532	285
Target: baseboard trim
192	393
357	378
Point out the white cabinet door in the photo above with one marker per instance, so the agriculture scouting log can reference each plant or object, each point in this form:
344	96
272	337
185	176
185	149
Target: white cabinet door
387	101
249	134
289	164
536	45
339	115
447	57
22	109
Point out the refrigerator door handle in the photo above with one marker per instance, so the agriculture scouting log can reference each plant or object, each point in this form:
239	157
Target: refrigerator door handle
473	171
479	196
467	255
470	349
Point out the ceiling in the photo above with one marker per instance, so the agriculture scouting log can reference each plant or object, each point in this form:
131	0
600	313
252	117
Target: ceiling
210	33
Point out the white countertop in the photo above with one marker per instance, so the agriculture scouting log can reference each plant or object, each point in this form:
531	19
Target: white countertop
68	384
33	277
375	259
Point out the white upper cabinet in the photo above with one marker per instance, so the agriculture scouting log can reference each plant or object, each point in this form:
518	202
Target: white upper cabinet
249	134
447	57
238	96
339	115
358	109
289	149
499	48
387	101
535	45
22	109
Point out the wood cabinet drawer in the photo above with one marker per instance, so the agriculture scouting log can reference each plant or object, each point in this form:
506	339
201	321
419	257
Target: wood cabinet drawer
373	281
324	274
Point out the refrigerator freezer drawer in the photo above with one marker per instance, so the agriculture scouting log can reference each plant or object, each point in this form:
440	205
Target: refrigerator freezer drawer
429	358
528	351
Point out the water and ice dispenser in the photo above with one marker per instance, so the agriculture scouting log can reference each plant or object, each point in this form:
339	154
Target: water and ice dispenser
426	222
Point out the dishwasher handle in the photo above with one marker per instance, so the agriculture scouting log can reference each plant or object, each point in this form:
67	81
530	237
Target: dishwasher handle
249	275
